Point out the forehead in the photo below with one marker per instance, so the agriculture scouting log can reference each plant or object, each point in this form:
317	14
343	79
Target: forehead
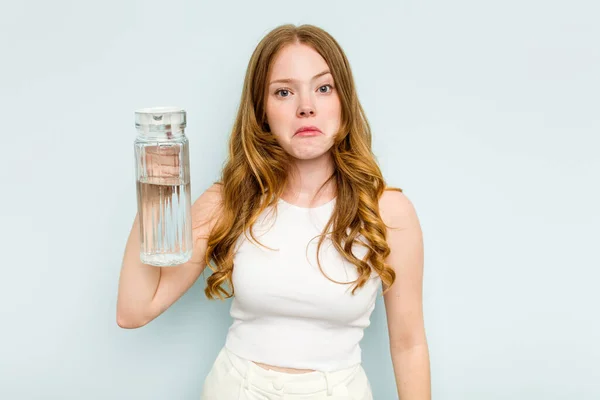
297	61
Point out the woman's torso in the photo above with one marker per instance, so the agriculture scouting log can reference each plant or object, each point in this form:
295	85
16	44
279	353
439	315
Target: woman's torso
281	369
328	289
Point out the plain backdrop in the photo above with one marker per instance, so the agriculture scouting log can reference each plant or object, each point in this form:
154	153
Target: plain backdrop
485	113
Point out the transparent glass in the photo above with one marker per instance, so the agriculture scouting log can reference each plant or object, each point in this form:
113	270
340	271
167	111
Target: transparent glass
163	187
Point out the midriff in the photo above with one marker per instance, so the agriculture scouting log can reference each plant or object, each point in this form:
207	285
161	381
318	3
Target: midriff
283	369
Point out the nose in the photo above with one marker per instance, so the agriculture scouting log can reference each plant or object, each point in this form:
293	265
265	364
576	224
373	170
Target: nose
306	109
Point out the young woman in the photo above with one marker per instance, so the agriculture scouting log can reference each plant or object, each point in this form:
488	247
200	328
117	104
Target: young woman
303	232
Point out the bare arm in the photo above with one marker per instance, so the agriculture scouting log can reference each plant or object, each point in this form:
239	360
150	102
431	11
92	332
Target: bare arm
403	302
146	291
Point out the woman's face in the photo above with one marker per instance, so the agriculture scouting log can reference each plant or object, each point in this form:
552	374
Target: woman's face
301	93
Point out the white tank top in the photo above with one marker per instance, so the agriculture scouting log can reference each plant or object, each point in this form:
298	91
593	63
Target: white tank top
285	312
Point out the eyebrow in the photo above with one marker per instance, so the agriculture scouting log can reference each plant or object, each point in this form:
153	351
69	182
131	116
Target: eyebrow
290	80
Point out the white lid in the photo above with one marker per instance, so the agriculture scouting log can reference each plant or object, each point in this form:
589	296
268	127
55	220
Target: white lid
160	119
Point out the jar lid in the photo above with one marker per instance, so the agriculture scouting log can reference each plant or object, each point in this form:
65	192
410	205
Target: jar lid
160	119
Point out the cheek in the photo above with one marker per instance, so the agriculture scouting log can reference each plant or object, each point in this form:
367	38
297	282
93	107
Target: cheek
333	114
278	112
333	107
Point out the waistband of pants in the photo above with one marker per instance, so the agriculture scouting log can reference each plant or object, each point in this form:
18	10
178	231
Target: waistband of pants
289	383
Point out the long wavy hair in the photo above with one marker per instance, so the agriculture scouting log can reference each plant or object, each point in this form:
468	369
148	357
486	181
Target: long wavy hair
255	173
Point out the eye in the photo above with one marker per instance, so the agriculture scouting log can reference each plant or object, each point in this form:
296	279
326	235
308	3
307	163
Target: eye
325	86
282	91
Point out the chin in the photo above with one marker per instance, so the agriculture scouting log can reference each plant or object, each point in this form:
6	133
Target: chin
309	155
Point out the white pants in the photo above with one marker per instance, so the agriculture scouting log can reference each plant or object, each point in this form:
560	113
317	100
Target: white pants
235	378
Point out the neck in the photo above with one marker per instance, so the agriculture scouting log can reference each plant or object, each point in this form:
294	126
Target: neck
306	178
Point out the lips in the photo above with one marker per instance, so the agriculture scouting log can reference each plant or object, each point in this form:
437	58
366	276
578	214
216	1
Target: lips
308	131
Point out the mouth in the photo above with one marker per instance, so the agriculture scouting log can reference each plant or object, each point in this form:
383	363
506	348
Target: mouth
308	131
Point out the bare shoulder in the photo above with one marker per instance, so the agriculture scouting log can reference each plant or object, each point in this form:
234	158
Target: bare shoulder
206	209
211	195
397	209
